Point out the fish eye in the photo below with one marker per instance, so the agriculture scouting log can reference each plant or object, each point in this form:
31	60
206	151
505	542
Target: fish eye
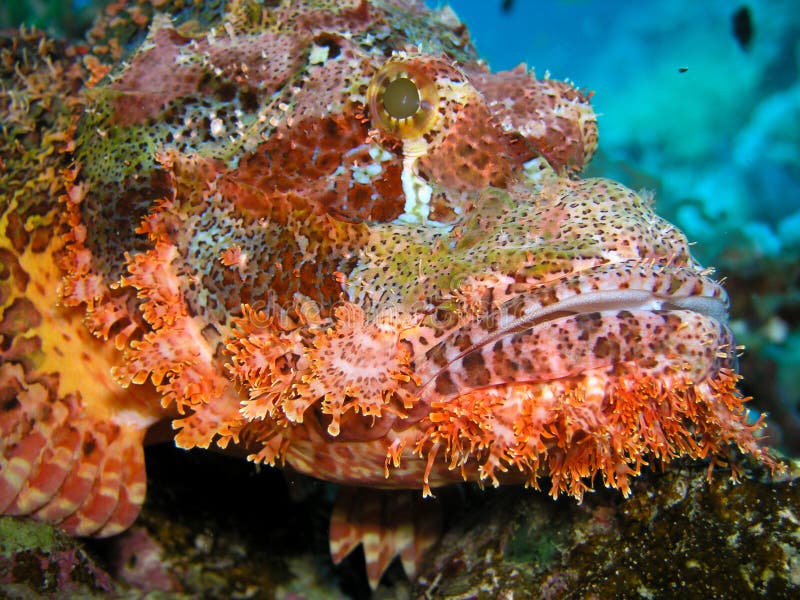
403	98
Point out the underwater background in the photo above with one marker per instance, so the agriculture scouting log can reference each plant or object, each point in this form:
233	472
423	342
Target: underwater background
699	102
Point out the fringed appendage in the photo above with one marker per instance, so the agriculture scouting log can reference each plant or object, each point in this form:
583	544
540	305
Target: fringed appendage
574	430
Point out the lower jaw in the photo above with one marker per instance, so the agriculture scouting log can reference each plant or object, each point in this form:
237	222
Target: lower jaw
608	421
659	343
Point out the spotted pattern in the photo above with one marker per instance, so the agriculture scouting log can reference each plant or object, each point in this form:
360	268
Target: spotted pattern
68	454
208	215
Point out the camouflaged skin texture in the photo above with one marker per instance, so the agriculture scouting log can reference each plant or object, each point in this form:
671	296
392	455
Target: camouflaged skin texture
326	233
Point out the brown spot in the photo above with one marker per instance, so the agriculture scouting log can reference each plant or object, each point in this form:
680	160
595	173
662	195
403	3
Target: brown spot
19	317
445	385
605	348
549	297
10	268
11	404
588	324
21	349
41	238
463	342
673	322
475	367
648	363
89	447
15	232
437	356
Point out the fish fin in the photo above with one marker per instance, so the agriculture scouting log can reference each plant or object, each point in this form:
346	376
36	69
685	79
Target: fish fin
70	435
62	464
387	524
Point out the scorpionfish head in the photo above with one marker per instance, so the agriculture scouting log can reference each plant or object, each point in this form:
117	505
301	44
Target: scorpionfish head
328	233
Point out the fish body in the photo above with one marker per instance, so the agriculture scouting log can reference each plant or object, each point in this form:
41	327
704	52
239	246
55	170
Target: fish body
326	234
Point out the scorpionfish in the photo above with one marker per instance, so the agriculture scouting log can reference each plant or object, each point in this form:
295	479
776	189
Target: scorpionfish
326	235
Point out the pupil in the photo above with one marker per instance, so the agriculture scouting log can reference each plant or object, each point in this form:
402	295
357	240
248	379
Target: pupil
401	98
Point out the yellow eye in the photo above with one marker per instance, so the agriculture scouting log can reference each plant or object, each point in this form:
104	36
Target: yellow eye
403	99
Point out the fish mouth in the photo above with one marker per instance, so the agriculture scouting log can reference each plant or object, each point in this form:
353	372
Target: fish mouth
654	315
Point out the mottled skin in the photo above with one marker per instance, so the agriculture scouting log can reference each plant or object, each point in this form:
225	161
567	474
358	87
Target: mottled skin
234	225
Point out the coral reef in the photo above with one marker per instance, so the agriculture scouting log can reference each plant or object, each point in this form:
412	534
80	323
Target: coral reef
678	535
36	558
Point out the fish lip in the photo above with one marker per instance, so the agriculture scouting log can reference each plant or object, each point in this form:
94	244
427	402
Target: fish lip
625	299
657	291
637	285
634	300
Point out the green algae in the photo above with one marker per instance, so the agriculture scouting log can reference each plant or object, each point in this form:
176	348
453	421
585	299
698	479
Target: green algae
678	535
17	535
